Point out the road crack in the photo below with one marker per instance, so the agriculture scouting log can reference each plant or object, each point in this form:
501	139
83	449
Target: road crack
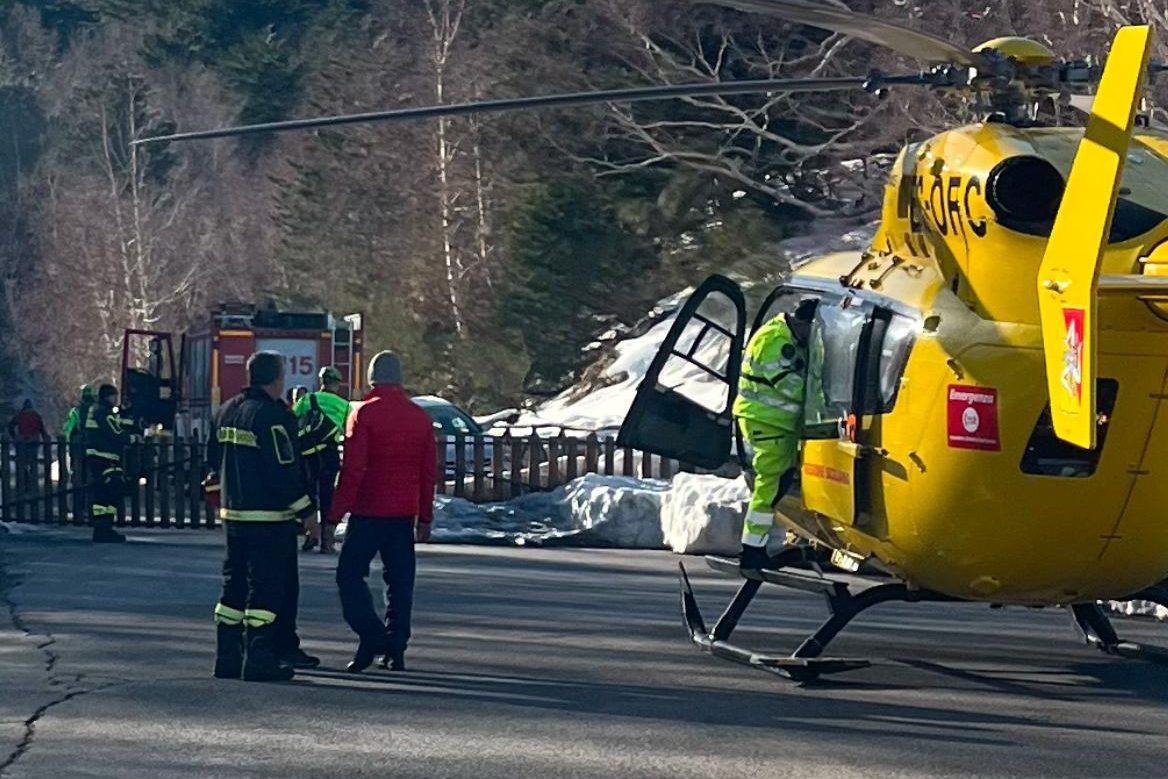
46	644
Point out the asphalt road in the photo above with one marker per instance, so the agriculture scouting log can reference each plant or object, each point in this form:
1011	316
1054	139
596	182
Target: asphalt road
542	663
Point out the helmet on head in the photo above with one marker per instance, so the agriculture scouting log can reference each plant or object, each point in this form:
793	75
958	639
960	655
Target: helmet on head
330	375
107	394
88	393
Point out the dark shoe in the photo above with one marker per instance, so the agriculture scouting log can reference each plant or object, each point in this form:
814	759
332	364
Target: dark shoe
298	658
228	652
261	665
108	537
753	558
367	652
393	662
308	545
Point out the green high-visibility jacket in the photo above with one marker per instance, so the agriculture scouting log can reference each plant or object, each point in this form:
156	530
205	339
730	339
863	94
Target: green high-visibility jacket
773	384
334	407
75	421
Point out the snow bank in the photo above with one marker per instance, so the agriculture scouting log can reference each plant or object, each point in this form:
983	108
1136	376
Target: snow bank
612	511
1139	608
691	515
703	514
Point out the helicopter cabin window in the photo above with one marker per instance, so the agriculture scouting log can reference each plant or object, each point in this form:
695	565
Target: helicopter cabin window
857	357
1048	455
839	331
699	362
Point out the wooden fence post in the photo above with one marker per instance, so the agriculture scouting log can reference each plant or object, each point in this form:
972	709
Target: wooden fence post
553	445
627	464
571	469
591	454
62	482
534	452
78	477
46	451
133	470
500	448
164	481
195	482
148	462
182	482
480	469
516	466
459	465
646	465
609	456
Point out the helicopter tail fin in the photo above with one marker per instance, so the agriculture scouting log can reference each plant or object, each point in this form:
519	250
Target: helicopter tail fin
1068	280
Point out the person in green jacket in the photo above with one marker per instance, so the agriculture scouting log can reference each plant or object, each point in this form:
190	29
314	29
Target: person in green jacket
322	416
74	428
769	410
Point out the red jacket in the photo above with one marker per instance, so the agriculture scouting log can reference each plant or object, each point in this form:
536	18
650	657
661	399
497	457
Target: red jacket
390	464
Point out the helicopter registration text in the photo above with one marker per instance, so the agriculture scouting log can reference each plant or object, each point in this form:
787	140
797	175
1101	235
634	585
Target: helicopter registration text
973	418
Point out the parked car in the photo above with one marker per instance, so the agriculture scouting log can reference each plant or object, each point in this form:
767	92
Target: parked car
452	421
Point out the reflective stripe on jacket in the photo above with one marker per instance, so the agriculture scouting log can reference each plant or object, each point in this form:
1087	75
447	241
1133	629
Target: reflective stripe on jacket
106	433
772	387
254	454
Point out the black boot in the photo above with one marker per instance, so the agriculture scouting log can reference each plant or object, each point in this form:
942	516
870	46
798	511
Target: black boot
298	658
104	533
753	559
228	651
367	652
261	665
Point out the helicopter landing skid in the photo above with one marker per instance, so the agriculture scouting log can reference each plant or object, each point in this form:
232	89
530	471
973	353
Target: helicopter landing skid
805	663
1097	630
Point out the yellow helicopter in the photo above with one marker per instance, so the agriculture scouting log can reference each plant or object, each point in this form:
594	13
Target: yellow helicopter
935	457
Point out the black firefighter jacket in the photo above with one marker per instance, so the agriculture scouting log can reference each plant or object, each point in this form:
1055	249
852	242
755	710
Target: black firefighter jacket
253	453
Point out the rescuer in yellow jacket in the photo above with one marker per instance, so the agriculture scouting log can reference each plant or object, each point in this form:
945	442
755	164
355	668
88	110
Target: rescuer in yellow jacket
769	410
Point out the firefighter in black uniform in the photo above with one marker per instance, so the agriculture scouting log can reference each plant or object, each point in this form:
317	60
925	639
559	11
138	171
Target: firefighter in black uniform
106	435
262	495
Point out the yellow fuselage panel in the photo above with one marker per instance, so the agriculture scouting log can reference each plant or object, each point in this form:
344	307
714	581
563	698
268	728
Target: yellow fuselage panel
936	211
970	523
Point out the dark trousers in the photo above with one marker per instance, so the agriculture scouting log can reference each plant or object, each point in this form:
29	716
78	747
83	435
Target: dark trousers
393	539
284	637
107	488
255	571
321	471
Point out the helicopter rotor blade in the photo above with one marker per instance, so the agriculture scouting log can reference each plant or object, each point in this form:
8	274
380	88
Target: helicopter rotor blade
630	95
904	40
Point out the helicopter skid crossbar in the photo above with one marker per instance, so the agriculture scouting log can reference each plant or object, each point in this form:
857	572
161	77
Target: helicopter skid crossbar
1097	630
805	663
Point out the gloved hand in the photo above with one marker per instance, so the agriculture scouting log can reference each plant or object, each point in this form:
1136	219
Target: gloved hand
753	558
211	490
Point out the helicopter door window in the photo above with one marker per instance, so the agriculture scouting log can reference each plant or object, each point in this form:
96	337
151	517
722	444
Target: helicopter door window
833	351
698	364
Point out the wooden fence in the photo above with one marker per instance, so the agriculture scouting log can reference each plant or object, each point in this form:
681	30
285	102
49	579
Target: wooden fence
42	482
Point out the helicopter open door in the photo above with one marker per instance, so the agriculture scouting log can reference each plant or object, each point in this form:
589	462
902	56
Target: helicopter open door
838	382
683	406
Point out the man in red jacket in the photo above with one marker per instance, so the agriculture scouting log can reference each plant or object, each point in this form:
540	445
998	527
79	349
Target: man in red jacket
387	489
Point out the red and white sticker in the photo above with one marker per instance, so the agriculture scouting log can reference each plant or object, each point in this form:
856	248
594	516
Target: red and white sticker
1072	378
973	418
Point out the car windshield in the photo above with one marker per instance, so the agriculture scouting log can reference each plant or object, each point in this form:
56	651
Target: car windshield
451	421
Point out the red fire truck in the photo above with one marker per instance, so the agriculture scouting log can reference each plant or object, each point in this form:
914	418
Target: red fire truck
184	396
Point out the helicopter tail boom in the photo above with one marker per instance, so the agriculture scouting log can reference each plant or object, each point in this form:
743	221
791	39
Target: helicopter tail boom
1068	281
